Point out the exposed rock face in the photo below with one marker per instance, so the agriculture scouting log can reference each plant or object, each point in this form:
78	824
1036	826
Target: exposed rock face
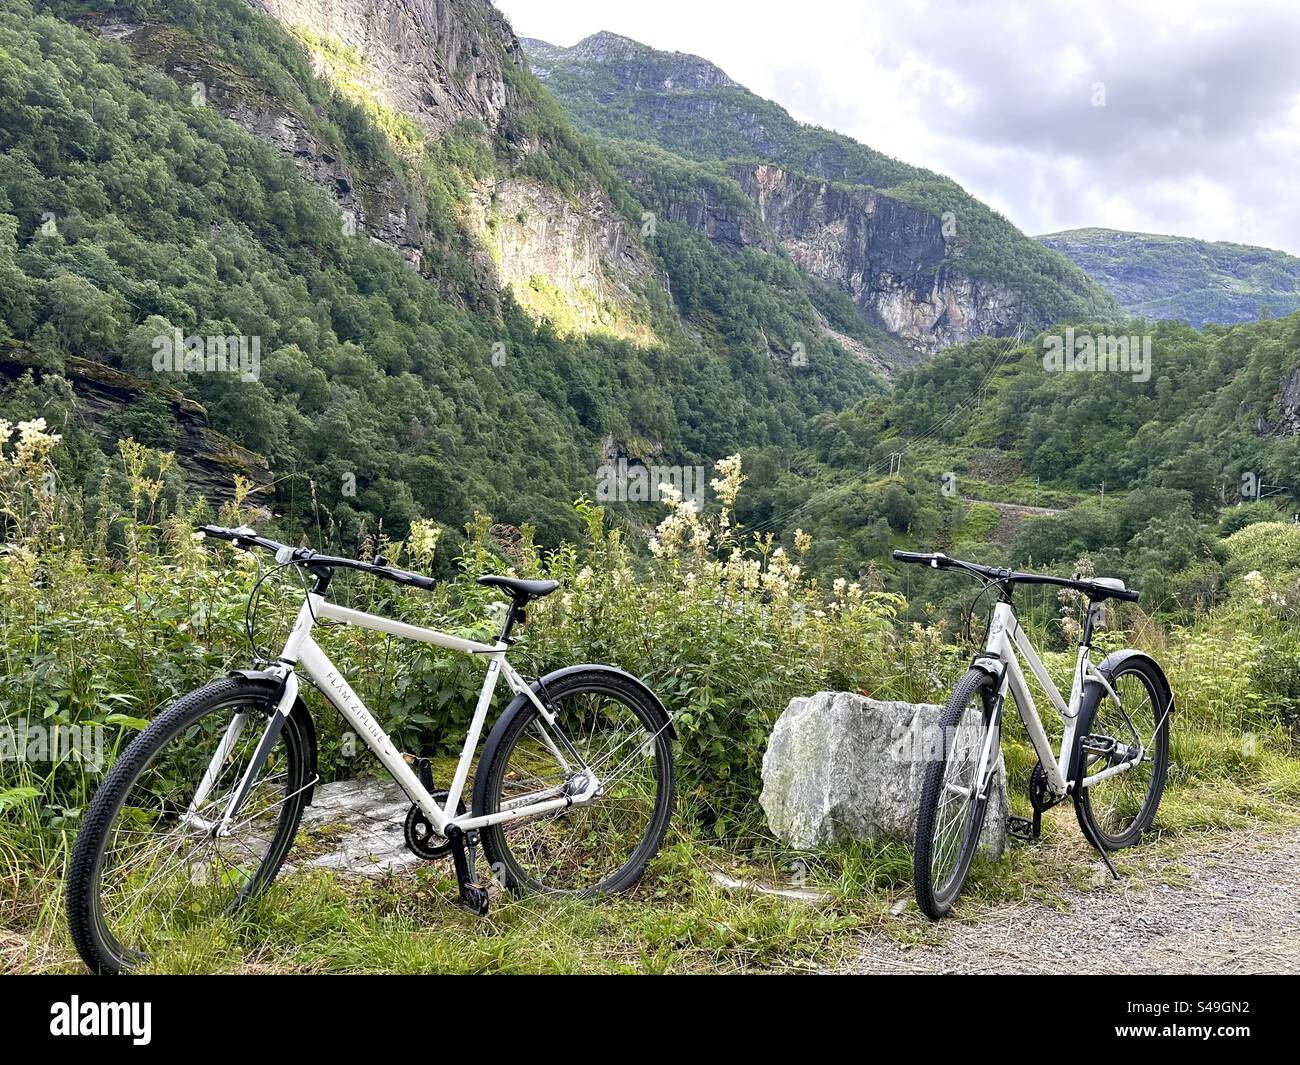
429	59
840	766
376	205
209	459
387	221
732	228
584	248
920	290
1286	406
891	257
441	64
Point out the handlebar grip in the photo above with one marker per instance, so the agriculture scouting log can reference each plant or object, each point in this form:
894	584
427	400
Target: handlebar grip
402	576
912	556
1128	595
220	532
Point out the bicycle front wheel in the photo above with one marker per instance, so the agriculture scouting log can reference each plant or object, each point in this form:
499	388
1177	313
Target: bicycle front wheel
607	726
951	813
151	863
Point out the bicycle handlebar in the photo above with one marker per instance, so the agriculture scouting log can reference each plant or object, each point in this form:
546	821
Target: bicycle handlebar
247	539
1094	589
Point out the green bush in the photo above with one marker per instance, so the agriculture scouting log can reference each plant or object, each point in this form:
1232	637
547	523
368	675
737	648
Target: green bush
1276	675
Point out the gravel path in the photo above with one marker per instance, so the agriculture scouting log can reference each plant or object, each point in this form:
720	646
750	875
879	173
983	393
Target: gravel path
1237	910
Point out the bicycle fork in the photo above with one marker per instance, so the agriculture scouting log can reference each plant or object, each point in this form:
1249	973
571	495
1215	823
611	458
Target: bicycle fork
287	698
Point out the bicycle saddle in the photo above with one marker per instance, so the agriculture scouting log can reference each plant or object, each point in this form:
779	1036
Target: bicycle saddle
521	589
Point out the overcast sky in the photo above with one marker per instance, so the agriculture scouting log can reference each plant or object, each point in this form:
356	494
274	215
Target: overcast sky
1198	132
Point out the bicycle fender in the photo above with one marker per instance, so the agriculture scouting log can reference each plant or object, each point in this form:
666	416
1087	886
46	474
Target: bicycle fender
299	713
519	702
1092	693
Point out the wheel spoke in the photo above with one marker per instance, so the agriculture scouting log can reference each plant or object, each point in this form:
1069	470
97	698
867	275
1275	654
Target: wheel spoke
588	845
161	869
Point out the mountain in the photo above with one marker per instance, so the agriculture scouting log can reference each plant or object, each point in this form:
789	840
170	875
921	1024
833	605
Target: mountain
916	254
1183	279
447	299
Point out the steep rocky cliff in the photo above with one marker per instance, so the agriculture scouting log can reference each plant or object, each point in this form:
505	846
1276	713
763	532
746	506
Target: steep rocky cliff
436	61
918	256
892	258
567	254
373	201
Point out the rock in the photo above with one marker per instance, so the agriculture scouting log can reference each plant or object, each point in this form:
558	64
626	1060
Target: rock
894	259
209	459
356	826
439	62
840	766
755	887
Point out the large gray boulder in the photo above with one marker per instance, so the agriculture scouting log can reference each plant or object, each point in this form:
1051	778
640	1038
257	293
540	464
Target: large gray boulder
840	766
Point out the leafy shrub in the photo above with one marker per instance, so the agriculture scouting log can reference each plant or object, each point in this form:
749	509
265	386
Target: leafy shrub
1276	674
106	628
1270	547
1238	517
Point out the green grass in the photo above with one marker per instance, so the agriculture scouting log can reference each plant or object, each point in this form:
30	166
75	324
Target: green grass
678	919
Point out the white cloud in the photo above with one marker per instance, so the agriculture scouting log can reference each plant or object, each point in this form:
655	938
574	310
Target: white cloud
1199	135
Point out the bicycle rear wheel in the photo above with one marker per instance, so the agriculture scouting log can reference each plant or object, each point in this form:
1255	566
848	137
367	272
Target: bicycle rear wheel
614	730
951	813
1120	807
148	865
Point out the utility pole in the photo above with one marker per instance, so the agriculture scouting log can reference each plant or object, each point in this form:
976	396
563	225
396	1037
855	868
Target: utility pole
896	464
1103	493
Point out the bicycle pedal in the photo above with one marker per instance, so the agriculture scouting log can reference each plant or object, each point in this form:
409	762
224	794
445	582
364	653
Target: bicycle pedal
1021	828
474	899
1099	745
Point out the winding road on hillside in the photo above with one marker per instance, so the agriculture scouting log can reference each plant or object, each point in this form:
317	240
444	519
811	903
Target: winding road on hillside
1233	906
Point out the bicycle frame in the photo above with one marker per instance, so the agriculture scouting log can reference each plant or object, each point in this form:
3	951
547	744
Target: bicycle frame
302	651
1008	643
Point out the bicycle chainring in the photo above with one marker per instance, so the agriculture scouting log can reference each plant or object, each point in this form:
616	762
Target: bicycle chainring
422	839
1040	798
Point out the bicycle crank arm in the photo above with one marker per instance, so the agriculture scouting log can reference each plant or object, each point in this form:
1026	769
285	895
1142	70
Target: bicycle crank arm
473	896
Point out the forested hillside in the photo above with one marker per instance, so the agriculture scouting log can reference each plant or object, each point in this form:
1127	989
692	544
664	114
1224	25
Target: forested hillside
181	170
1141	477
1184	280
430	349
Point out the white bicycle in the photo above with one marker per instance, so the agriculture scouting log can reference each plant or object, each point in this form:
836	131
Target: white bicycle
1114	754
572	792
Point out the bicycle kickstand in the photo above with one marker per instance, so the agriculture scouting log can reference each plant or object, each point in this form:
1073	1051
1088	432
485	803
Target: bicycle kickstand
473	896
1088	834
